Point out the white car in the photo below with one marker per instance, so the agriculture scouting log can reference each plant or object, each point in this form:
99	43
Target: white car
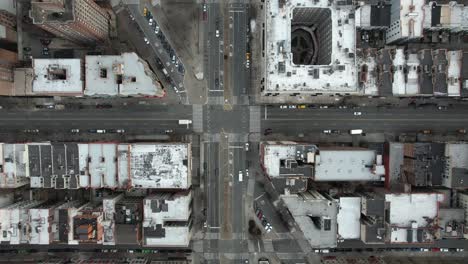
327	131
204	7
247	64
217	33
247	146
247	173
75	130
283	106
146	41
268	228
292	107
156	30
324	106
150	22
121	131
100	131
357	113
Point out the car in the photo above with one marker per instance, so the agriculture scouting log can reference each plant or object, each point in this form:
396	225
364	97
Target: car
247	64
146	41
357	113
267	131
268	228
75	130
336	131
427	131
205	225
156	29
132	17
246	172
302	106
292	107
460	131
204	7
342	107
168	131
150	21
324	106
442	107
176	63
247	146
102	106
217	33
283	106
327	131
216	82
45	51
31	131
99	131
145	11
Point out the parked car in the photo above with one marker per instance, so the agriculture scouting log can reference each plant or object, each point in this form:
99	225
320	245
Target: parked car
217	33
283	106
327	131
75	130
101	106
292	107
31	131
357	113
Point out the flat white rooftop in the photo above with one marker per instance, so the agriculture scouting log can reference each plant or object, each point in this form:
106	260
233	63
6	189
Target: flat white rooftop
272	156
349	217
337	41
57	76
166	166
348	165
166	220
124	75
413	209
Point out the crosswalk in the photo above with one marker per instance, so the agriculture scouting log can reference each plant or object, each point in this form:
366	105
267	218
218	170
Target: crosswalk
197	118
254	122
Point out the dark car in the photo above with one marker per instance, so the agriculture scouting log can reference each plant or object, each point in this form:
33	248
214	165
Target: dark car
102	106
268	131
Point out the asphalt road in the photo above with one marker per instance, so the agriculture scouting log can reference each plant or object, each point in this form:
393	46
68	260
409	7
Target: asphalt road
397	120
135	120
215	55
155	42
238	48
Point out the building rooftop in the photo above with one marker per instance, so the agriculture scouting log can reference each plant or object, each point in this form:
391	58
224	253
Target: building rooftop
415	208
325	33
96	165
349	218
124	75
456	165
13	164
52	11
316	216
166	166
288	159
57	77
348	165
166	220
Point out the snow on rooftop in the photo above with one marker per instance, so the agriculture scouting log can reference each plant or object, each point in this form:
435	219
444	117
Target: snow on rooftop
339	76
272	156
13	158
57	76
406	209
102	165
103	74
407	20
347	165
398	85
158	211
349	217
454	72
40	226
369	80
165	166
457	154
